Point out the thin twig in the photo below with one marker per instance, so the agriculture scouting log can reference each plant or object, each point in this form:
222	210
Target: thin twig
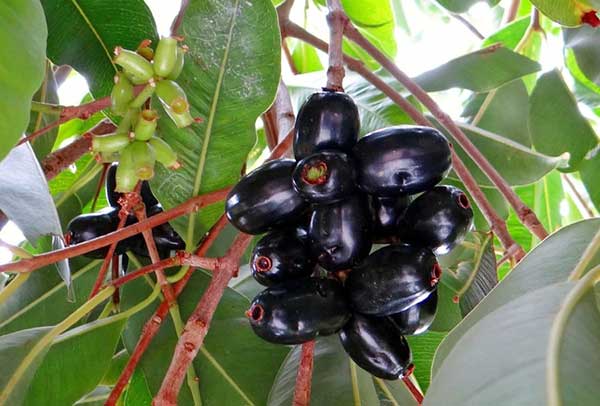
468	24
511	12
304	376
414	391
179	19
582	201
337	21
288	57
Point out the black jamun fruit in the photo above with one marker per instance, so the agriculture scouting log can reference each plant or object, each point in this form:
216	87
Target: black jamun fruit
417	318
387	213
326	120
401	160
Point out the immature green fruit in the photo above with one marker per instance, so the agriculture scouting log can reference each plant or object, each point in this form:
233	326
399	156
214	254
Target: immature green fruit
121	94
181	120
172	96
146	125
134	65
143	159
110	143
178	64
107	157
125	177
164	153
165	56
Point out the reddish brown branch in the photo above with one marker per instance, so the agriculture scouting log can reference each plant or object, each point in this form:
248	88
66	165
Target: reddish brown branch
288	57
179	19
107	260
525	214
511	13
414	391
496	223
304	376
337	21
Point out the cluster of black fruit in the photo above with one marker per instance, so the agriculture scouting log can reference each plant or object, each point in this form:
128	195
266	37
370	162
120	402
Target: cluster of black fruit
89	226
328	208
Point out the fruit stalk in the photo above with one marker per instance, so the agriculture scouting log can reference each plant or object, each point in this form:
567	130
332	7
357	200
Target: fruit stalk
525	214
304	376
337	21
496	223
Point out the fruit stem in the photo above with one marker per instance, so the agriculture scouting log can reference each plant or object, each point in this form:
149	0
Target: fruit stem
412	388
304	376
337	21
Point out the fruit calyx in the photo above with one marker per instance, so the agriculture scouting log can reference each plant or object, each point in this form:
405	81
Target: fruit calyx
463	201
591	18
315	174
263	264
256	312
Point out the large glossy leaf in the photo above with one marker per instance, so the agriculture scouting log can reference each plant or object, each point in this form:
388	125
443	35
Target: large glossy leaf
549	263
555	123
504	358
423	349
509	35
589	170
61	379
230	76
582	41
84	33
22	64
19	363
337	381
305	58
234	365
565	12
480	71
461	6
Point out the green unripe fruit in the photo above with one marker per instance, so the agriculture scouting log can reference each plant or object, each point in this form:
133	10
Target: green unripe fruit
181	120
126	179
143	159
165	56
164	153
121	94
178	64
146	125
134	65
110	143
107	157
172	95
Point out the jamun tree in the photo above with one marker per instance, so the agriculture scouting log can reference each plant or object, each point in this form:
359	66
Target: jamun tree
202	229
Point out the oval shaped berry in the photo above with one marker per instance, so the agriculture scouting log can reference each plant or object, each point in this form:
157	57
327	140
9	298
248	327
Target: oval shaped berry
142	158
121	94
134	65
264	198
146	125
387	213
110	142
112	196
172	96
417	318
89	226
165	57
377	346
392	279
439	219
326	120
179	63
401	160
281	256
165	236
164	153
324	177
299	311
340	233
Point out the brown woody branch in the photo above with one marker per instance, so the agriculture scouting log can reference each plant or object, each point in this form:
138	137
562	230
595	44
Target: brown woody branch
337	21
304	376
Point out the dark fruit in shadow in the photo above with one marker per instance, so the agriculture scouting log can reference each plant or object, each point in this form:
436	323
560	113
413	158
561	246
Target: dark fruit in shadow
281	256
265	198
401	160
376	346
113	196
392	279
340	233
417	318
165	237
299	311
326	120
325	177
386	213
439	219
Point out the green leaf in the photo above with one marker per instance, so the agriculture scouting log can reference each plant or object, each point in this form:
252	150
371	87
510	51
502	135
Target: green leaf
555	123
305	58
117	364
583	43
75	363
509	35
47	93
230	76
234	365
423	349
137	392
97	397
19	363
565	12
448	313
22	65
337	381
589	170
479	71
84	33
462	6
393	393
549	263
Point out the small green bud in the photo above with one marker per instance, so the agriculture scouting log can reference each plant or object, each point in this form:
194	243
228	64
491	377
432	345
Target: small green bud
110	143
121	94
164	153
134	65
165	56
146	125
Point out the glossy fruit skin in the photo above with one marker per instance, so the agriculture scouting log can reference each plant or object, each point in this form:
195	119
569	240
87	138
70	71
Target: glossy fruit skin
265	198
417	318
88	226
376	346
336	182
113	197
165	237
401	160
438	219
326	120
392	279
299	311
281	256
340	233
386	214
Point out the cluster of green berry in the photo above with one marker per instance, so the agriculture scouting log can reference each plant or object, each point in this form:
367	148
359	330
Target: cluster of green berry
135	144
